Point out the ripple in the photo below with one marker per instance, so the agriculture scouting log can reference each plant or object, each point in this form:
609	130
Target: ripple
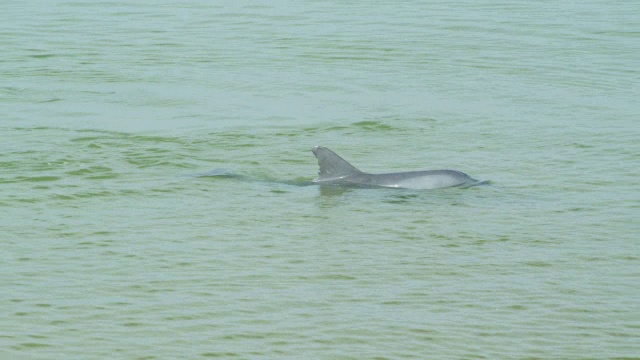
43	178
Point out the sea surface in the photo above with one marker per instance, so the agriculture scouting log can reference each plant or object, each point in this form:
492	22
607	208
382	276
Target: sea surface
116	244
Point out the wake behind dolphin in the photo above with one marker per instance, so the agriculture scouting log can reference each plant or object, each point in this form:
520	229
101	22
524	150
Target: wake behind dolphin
334	170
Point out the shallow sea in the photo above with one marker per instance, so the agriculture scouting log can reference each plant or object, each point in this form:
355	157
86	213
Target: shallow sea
114	247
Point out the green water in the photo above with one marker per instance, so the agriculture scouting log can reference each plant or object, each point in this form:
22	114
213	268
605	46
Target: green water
111	248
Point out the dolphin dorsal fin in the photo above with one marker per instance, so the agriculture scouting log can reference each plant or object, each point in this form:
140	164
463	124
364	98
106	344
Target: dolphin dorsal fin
332	166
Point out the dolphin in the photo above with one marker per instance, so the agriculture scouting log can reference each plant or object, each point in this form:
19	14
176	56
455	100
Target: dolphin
334	170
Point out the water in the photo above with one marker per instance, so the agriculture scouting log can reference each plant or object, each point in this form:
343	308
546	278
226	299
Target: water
111	249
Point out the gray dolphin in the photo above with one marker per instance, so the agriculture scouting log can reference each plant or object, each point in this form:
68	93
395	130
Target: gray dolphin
334	170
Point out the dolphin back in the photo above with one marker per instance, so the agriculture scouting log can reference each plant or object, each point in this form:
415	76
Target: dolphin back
336	170
332	166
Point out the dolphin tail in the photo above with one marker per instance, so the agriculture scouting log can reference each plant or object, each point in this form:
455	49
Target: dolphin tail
332	166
